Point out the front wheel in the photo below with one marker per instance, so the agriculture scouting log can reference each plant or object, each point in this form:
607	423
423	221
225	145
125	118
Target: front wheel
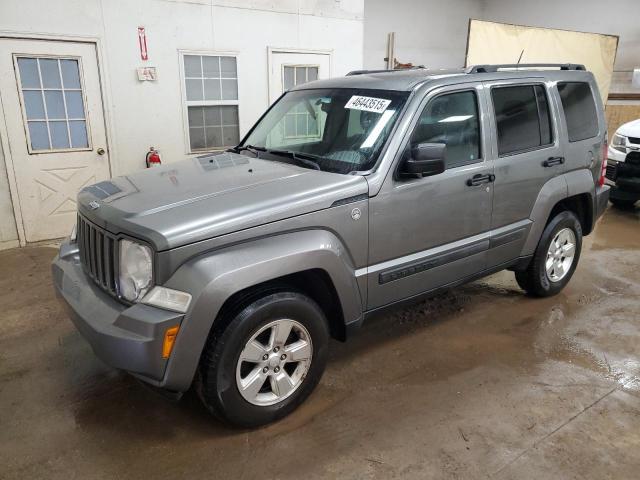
267	360
555	258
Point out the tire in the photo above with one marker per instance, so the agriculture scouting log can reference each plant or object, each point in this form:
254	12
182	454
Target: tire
622	204
221	373
536	280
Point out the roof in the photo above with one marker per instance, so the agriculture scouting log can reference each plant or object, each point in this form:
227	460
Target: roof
406	80
402	80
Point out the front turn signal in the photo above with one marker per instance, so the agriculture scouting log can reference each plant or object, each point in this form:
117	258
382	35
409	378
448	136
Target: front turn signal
169	339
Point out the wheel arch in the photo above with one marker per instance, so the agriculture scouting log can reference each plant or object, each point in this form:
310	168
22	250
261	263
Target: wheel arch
314	262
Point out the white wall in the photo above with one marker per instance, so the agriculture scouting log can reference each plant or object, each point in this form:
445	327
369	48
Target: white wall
428	32
615	17
8	232
434	33
141	114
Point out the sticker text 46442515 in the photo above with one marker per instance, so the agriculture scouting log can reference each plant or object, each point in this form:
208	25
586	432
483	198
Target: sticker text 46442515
368	104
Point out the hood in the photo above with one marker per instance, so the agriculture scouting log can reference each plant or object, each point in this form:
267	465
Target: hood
200	198
630	129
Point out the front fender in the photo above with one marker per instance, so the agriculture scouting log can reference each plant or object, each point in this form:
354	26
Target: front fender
212	278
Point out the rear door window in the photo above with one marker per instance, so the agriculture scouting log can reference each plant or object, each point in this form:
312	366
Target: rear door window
579	110
522	118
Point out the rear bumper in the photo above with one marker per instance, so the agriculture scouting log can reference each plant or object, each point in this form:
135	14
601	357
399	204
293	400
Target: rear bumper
602	199
125	337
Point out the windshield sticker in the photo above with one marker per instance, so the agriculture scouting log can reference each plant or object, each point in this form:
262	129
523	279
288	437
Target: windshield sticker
368	104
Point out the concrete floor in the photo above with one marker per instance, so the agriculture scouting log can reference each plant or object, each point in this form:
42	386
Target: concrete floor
479	382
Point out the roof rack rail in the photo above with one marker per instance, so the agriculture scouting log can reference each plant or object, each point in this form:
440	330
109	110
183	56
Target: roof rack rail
495	68
365	72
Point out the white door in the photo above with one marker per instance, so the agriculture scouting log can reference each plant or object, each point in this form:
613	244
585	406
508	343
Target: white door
52	107
288	69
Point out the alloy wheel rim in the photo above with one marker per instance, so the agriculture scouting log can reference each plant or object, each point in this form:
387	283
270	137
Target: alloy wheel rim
274	362
560	255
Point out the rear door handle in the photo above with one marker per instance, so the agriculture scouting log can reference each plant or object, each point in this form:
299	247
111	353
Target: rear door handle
551	161
479	179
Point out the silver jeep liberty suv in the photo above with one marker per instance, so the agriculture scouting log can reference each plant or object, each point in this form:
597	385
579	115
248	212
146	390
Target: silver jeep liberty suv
230	272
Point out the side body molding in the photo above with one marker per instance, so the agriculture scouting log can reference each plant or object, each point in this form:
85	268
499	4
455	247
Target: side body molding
214	277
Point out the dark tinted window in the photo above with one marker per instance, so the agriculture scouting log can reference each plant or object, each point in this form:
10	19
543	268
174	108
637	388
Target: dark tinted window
579	110
522	118
452	119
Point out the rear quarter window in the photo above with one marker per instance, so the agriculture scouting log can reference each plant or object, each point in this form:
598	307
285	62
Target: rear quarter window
579	110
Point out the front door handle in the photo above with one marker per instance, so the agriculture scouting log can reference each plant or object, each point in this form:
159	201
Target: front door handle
551	161
479	179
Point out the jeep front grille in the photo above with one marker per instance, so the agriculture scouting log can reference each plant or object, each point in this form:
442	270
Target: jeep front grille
98	254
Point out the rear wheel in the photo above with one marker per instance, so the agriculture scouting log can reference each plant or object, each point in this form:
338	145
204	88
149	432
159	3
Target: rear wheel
555	258
267	360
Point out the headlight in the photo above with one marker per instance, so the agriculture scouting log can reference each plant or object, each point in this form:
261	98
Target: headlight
619	142
136	270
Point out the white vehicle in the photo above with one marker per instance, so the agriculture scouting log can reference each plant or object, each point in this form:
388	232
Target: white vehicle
623	168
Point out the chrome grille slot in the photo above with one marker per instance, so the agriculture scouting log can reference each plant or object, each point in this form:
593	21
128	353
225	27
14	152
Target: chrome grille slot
97	254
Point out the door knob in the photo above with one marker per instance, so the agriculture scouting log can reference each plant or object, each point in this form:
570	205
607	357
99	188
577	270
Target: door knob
100	151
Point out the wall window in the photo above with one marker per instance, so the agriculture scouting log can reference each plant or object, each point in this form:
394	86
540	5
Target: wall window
579	110
522	118
51	91
299	123
211	91
452	119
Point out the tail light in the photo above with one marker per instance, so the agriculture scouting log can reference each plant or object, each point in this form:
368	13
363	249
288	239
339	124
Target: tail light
603	171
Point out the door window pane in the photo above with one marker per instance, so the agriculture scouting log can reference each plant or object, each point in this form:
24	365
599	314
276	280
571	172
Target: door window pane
39	135
70	74
56	103
579	110
289	78
33	105
78	131
75	107
518	119
452	119
50	73
29	76
59	134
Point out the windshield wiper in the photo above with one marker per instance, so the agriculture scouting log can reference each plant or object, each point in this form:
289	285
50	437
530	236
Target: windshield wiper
250	148
305	159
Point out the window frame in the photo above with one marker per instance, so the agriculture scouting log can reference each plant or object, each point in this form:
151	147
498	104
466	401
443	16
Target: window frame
552	123
423	105
564	114
205	103
23	107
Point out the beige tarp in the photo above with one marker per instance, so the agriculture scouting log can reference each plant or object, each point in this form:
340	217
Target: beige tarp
491	42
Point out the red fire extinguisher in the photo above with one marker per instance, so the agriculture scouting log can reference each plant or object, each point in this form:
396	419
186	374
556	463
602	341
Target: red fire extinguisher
153	158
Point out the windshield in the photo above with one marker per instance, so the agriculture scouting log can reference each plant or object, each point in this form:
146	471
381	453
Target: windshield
336	130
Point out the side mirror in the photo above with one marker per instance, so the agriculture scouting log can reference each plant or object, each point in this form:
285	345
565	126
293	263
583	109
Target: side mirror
424	160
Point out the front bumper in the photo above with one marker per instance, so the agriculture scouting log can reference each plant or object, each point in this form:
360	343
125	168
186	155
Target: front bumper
125	337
